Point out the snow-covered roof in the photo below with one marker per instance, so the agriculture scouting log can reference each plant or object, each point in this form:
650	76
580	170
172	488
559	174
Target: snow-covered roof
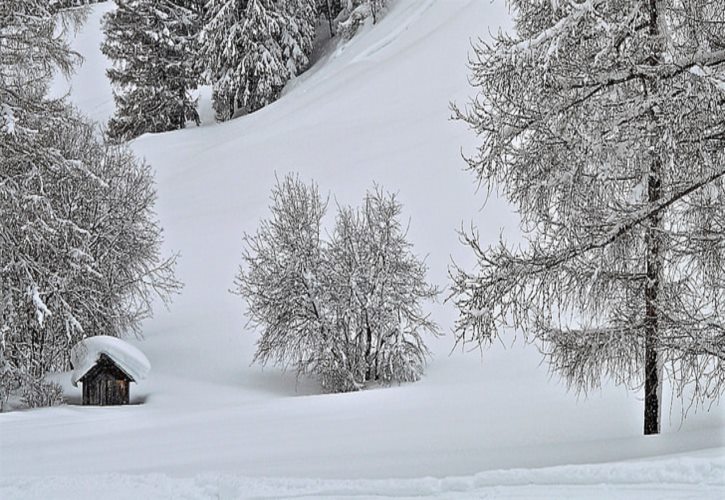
86	353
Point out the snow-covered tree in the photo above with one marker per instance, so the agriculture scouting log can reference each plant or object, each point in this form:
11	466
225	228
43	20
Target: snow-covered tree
329	9
353	13
603	122
251	48
79	245
348	311
79	242
153	47
262	70
297	36
280	280
377	286
66	4
220	50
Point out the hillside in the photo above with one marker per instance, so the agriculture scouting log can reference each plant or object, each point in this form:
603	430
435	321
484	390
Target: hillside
211	425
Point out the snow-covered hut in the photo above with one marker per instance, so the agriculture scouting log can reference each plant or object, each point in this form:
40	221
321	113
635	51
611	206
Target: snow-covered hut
106	366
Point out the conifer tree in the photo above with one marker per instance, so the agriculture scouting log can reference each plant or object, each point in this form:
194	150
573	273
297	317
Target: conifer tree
603	122
220	50
262	69
353	13
298	34
153	46
252	48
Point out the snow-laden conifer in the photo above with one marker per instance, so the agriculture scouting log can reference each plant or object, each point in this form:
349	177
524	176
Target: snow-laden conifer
262	69
354	13
603	122
297	36
348	311
220	50
153	47
251	49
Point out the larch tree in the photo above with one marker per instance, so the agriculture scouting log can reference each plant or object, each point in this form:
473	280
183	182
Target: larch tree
79	243
603	123
153	47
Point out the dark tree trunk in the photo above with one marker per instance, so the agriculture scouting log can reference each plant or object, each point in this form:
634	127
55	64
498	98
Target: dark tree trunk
369	350
329	18
652	375
652	381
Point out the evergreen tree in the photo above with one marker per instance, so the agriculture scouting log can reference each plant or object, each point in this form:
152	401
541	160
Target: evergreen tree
262	68
220	49
604	124
329	9
297	37
67	4
153	46
252	48
353	13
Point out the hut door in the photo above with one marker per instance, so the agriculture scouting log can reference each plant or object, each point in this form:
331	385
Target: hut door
106	398
112	392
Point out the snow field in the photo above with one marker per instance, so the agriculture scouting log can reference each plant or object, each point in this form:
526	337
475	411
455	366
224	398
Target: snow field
212	426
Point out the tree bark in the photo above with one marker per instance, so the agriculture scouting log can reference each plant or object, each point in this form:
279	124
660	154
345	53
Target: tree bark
652	379
652	375
369	349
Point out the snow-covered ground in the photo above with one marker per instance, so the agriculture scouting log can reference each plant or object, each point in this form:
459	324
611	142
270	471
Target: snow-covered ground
212	426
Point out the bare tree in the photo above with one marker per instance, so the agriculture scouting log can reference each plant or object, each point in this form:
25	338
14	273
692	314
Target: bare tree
346	311
377	286
79	243
603	122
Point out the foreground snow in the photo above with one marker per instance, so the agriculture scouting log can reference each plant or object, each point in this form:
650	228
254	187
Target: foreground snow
701	477
211	425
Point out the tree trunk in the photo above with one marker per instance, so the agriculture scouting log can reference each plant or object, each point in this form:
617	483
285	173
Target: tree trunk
652	373
369	350
329	18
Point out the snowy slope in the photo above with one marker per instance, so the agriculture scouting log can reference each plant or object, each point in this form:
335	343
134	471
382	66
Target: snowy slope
374	110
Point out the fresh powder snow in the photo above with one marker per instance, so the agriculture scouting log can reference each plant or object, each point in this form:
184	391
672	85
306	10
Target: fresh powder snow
212	425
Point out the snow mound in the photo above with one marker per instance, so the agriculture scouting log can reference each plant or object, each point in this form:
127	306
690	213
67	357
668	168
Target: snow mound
86	353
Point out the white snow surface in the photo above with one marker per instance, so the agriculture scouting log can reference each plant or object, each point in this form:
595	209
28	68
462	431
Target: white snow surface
127	357
211	425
